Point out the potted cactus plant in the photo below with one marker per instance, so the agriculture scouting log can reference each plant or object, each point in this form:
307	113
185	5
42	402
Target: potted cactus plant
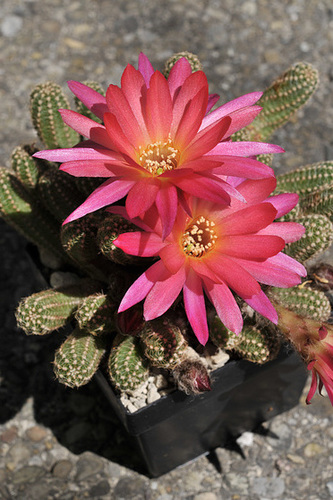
184	222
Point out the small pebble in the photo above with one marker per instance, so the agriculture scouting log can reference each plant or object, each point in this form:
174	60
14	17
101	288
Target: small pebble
313	449
205	496
36	433
11	25
62	469
9	434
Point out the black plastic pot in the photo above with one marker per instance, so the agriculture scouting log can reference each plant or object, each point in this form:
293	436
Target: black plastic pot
178	428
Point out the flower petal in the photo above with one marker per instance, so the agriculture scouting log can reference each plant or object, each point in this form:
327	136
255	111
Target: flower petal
88	168
244	148
289	231
134	88
288	263
158	108
163	294
191	119
89	97
139	243
172	257
204	187
106	194
270	273
237	166
178	74
118	137
167	206
205	140
86	127
145	67
141	197
283	202
194	303
212	99
225	305
191	86
251	246
263	306
249	220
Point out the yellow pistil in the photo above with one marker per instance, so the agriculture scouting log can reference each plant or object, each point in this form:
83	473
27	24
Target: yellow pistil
199	237
159	157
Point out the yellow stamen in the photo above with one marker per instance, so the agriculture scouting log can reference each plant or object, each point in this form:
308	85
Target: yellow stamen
159	157
199	237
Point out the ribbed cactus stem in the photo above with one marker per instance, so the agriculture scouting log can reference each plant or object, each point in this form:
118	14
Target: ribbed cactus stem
163	343
22	211
307	179
26	168
79	239
78	358
109	229
221	336
257	345
86	185
192	59
317	238
306	302
81	108
96	314
45	101
59	194
318	202
127	367
49	310
282	99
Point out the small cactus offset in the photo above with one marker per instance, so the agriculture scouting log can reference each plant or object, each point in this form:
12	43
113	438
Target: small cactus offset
58	193
307	302
318	237
79	239
257	345
109	229
282	99
78	358
49	310
163	343
95	314
26	168
127	367
45	101
22	211
220	335
192	59
82	109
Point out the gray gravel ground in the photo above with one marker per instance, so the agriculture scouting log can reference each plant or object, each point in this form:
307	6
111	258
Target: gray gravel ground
62	444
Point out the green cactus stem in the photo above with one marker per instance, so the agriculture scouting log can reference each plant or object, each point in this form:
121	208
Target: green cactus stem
78	358
318	202
282	99
317	238
26	168
306	302
79	239
22	211
82	109
49	310
221	336
307	179
45	101
257	345
109	229
86	185
127	367
95	314
163	343
192	59
59	194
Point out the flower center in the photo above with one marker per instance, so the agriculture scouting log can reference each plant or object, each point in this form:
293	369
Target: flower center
199	237
159	157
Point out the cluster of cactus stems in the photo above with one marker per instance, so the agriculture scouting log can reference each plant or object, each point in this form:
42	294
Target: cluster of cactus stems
35	198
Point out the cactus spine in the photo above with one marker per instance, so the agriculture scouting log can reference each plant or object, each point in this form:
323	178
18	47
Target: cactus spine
78	358
95	314
26	168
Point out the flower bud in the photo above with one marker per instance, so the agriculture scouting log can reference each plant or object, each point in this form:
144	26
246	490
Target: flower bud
192	377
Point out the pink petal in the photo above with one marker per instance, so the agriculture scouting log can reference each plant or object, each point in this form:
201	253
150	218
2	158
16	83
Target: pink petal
244	148
119	210
86	127
204	187
205	140
86	168
192	85
178	74
230	107
167	206
313	388
158	110
63	155
106	194
118	105
289	231
212	99
225	305
235	276
194	303
242	167
255	191
139	243
172	257
242	118
134	88
251	246
142	286
141	197
283	260
284	202
163	294
263	306
191	119
118	137
249	220
269	273
90	98
145	67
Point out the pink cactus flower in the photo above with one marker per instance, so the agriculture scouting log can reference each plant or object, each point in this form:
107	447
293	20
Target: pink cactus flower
214	250
158	141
